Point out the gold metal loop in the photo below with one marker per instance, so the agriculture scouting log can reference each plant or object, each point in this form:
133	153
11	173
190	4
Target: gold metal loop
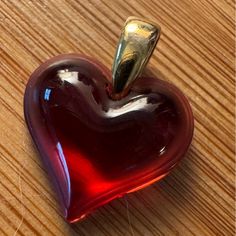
137	42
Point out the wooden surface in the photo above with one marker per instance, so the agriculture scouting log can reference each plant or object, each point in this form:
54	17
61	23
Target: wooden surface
195	52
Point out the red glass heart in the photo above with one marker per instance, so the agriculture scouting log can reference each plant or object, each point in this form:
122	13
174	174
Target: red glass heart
96	148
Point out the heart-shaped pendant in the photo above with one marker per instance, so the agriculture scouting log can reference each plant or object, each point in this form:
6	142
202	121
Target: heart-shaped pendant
99	139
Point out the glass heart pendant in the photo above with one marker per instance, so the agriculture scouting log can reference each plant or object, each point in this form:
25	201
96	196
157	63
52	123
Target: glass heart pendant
103	134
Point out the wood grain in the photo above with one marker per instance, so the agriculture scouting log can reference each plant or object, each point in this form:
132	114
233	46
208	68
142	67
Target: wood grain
195	52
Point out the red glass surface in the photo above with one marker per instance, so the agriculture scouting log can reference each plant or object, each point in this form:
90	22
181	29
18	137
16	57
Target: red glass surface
98	149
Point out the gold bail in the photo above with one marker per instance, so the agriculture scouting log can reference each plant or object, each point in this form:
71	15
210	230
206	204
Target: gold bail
137	42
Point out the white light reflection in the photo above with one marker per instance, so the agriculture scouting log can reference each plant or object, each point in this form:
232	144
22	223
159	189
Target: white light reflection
137	104
68	76
132	27
162	150
65	168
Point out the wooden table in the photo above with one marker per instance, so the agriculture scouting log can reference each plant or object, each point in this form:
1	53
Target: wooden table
195	52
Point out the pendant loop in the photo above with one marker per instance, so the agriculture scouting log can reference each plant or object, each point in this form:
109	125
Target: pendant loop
136	44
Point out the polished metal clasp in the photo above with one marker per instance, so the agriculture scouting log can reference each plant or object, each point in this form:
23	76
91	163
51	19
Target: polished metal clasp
137	42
